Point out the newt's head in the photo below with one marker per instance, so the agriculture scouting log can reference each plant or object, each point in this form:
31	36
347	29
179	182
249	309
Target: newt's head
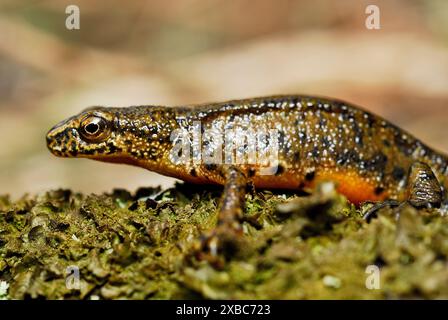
88	134
124	135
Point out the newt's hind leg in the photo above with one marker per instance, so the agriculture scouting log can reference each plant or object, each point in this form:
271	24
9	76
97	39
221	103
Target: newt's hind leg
224	237
423	187
371	213
423	191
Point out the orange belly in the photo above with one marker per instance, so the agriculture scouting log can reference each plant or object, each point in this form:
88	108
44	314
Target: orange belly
356	188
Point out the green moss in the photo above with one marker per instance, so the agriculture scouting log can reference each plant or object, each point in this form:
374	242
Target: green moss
139	246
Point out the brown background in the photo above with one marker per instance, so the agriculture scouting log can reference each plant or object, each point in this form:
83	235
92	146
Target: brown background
181	52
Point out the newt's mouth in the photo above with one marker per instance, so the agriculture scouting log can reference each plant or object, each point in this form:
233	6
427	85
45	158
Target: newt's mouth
61	138
61	142
55	144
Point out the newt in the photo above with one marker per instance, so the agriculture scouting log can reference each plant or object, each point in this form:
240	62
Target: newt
318	139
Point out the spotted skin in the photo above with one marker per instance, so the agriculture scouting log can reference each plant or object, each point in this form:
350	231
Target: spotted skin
318	139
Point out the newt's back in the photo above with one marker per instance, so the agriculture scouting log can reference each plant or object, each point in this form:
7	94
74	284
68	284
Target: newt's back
322	139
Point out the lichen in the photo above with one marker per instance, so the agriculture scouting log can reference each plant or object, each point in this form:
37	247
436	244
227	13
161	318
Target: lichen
141	245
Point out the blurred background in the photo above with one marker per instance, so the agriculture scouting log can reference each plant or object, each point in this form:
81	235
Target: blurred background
195	51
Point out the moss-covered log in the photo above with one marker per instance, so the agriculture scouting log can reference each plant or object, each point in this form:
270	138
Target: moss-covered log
139	246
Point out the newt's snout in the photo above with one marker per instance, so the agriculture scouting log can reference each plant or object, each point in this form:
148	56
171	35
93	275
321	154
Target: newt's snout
59	139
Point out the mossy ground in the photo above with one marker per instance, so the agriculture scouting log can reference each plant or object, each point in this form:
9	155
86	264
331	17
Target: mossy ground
139	246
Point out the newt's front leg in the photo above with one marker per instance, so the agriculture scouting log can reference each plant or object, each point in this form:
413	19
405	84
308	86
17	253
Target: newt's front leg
228	232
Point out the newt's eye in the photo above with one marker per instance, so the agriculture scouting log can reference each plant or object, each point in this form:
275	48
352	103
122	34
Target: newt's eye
94	129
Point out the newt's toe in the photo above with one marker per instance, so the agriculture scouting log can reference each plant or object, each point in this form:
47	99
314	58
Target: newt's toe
219	245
